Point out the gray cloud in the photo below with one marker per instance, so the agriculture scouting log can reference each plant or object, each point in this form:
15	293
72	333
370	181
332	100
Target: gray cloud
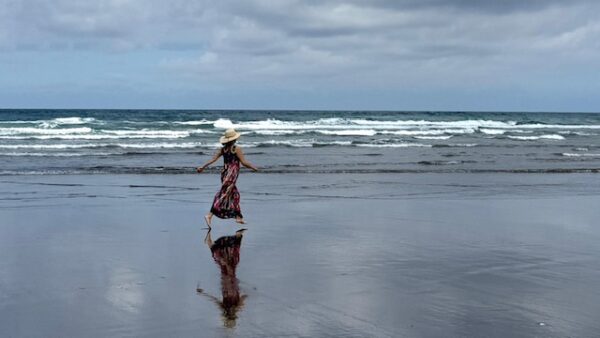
493	7
155	23
398	43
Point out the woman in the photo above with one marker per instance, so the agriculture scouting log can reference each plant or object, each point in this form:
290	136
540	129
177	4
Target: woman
227	201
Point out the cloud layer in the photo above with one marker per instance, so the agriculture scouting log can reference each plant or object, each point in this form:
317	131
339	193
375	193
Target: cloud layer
395	51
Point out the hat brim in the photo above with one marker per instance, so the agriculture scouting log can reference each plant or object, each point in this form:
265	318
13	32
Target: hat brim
224	139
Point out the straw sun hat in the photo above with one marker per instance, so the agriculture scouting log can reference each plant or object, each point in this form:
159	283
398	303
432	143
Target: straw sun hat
229	135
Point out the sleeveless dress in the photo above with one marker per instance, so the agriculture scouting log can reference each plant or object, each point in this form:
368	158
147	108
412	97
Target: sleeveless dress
227	201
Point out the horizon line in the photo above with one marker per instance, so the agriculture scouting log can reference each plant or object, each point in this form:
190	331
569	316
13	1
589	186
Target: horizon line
313	110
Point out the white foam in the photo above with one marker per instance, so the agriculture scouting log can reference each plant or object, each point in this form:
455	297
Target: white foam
55	154
329	123
394	145
466	124
148	133
277	132
193	123
339	126
289	143
490	127
302	143
462	145
73	120
223	124
433	137
492	131
46	146
86	133
43	131
61	137
336	143
86	137
559	126
475	124
332	121
203	131
427	132
351	132
186	145
65	121
101	145
580	155
578	133
533	138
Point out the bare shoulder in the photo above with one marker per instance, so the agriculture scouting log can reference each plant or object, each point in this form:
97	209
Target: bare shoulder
238	150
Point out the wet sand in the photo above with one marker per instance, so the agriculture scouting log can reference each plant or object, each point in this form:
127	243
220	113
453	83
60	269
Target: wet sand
350	255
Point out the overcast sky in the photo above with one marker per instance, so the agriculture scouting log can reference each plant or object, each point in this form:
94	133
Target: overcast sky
532	55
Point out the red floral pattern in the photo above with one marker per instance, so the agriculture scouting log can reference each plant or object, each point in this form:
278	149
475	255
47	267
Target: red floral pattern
227	201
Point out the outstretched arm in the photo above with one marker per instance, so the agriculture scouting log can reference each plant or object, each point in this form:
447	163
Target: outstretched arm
240	155
209	296
211	161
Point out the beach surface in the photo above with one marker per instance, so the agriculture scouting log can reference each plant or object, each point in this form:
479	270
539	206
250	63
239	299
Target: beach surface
326	255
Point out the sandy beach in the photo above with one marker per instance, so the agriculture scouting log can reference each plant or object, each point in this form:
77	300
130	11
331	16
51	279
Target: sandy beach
352	255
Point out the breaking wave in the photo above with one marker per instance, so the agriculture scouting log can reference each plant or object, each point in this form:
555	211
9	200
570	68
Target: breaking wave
539	137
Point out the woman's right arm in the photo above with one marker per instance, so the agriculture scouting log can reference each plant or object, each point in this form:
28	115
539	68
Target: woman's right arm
211	161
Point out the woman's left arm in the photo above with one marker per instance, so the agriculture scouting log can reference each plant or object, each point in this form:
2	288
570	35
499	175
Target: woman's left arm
240	155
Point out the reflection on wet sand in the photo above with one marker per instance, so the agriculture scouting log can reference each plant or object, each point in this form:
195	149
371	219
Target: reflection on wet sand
226	253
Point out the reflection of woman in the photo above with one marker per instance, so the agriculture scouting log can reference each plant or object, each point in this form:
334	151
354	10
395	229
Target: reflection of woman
226	203
226	253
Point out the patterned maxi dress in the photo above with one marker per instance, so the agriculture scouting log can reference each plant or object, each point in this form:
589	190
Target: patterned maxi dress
227	201
226	253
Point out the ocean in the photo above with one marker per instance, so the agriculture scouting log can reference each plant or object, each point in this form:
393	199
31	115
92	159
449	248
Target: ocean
176	141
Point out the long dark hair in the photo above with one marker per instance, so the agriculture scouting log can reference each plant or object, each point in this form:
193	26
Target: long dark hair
228	146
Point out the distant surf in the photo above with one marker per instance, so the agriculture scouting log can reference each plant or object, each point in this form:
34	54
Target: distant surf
406	140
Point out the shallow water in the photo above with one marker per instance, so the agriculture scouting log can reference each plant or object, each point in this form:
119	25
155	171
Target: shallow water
352	255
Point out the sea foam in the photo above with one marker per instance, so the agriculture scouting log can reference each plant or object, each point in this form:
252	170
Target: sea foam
539	137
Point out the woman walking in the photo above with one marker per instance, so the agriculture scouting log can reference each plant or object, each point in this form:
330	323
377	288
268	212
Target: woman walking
227	201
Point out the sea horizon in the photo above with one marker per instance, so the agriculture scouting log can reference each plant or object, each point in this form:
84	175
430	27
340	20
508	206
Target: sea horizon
323	110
